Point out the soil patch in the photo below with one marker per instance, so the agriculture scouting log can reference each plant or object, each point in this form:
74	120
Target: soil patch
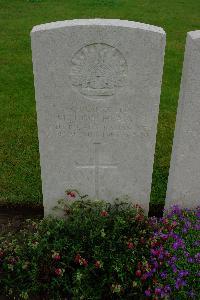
16	214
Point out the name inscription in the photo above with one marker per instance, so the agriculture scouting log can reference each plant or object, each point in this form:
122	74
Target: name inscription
95	122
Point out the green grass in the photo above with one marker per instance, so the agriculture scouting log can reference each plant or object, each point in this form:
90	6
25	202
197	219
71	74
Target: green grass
19	156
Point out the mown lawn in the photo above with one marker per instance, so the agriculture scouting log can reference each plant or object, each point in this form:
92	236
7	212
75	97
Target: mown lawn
19	157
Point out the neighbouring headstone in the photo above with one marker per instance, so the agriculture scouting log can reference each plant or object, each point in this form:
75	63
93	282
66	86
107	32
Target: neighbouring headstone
184	174
97	88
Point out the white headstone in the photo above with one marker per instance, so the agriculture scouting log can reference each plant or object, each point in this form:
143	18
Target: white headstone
97	88
184	175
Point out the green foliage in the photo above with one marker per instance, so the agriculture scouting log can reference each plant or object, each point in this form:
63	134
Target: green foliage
92	253
103	251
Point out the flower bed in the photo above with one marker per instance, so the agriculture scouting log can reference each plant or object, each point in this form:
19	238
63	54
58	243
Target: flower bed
175	255
101	251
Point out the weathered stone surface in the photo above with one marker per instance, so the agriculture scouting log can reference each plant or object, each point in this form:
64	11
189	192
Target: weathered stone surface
97	88
184	175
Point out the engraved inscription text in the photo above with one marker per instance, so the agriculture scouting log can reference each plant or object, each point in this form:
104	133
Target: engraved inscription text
96	122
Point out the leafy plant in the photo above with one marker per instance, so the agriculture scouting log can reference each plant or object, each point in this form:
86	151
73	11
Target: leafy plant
103	251
91	254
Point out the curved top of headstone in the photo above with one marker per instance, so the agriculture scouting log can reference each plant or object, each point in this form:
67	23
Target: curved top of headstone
194	34
97	22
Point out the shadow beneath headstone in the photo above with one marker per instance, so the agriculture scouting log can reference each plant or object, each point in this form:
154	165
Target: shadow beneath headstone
156	210
16	214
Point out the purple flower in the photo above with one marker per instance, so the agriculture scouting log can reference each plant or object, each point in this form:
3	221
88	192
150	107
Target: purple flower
185	230
178	244
187	224
153	221
167	289
149	274
156	265
175	245
174	268
183	273
197	243
198	213
163	294
191	294
174	236
190	260
157	291
197	257
163	275
153	252
164	236
167	253
153	270
148	293
197	227
161	257
187	254
172	260
175	210
179	283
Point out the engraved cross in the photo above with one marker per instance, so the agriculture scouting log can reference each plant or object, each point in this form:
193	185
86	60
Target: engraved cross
96	166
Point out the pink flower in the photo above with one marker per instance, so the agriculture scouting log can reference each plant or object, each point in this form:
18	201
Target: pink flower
12	260
174	224
58	272
57	257
139	218
157	291
104	213
97	264
138	273
130	245
142	240
144	277
77	258
81	261
148	292
165	221
155	252
84	262
71	194
154	243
